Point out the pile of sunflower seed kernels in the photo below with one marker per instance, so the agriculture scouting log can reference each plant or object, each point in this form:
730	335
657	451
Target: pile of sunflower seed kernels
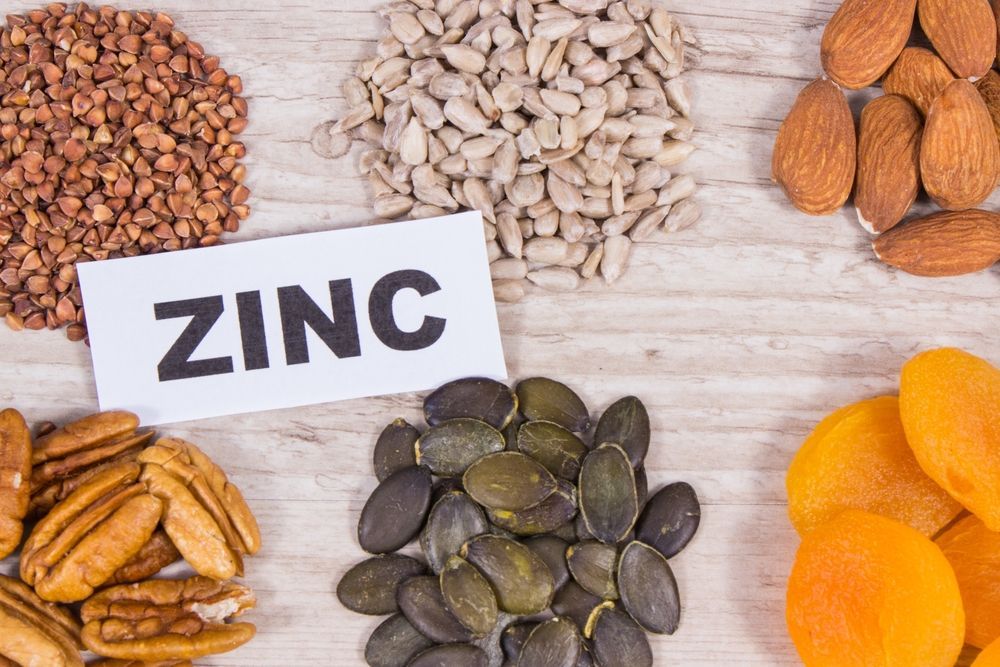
560	121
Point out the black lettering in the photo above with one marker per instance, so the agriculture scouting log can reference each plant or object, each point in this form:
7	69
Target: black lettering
252	331
297	310
380	311
204	313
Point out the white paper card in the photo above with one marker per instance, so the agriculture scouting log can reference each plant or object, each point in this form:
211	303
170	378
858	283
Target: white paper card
294	320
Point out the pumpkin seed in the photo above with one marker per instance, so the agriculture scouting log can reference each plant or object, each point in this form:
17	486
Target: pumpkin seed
452	655
394	643
670	519
626	423
394	449
556	448
395	511
508	481
548	400
521	580
573	602
468	596
510	435
454	520
479	398
552	550
422	603
648	589
592	565
619	642
641	487
588	628
370	586
449	448
554	643
585	660
513	638
546	516
608	498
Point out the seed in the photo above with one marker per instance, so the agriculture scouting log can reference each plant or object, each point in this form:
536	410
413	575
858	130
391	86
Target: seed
513	638
451	655
521	580
454	520
626	423
575	603
558	509
394	643
450	447
616	253
370	586
670	519
641	487
464	58
508	481
554	643
546	250
422	603
395	511
548	400
682	215
619	642
608	497
468	596
478	398
648	589
556	448
394	449
552	550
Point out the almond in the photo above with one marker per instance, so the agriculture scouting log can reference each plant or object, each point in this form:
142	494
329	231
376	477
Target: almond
863	39
989	88
959	156
964	33
919	76
888	162
950	243
815	153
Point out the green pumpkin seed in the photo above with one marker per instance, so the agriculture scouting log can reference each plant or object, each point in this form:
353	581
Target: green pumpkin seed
641	487
567	531
522	581
513	638
508	481
592	565
394	643
469	596
609	500
394	449
422	603
552	550
454	520
588	627
556	448
370	586
452	655
619	642
573	602
585	659
546	516
670	519
448	449
626	423
479	398
395	511
648	589
548	400
554	643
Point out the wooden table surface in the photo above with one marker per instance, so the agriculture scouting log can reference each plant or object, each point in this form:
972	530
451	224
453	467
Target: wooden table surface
738	334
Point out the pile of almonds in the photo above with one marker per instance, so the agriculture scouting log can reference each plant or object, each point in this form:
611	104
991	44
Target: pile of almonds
936	127
560	121
117	138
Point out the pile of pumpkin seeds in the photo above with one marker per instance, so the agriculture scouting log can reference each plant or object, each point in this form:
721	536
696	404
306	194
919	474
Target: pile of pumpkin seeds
539	549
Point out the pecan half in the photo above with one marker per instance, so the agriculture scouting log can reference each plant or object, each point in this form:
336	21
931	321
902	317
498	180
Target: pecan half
34	632
167	620
204	514
155	555
15	473
88	536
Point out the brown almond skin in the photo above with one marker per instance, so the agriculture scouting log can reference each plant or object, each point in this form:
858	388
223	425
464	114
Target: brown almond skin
963	32
816	151
959	156
989	88
949	243
863	39
888	162
919	76
996	15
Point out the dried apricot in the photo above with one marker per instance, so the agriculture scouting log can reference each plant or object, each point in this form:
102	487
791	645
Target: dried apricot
949	400
974	552
990	657
858	458
868	591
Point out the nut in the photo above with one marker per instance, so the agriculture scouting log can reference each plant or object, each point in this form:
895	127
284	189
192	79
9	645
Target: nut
943	244
35	632
919	76
863	39
989	88
964	33
15	475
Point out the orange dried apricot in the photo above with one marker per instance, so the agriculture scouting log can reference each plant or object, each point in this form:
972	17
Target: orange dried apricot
858	458
867	591
949	402
990	657
974	553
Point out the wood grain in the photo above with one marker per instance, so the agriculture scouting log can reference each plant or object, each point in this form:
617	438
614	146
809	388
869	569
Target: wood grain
739	334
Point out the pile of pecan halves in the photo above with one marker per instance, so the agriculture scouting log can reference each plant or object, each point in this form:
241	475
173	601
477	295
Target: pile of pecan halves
111	507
